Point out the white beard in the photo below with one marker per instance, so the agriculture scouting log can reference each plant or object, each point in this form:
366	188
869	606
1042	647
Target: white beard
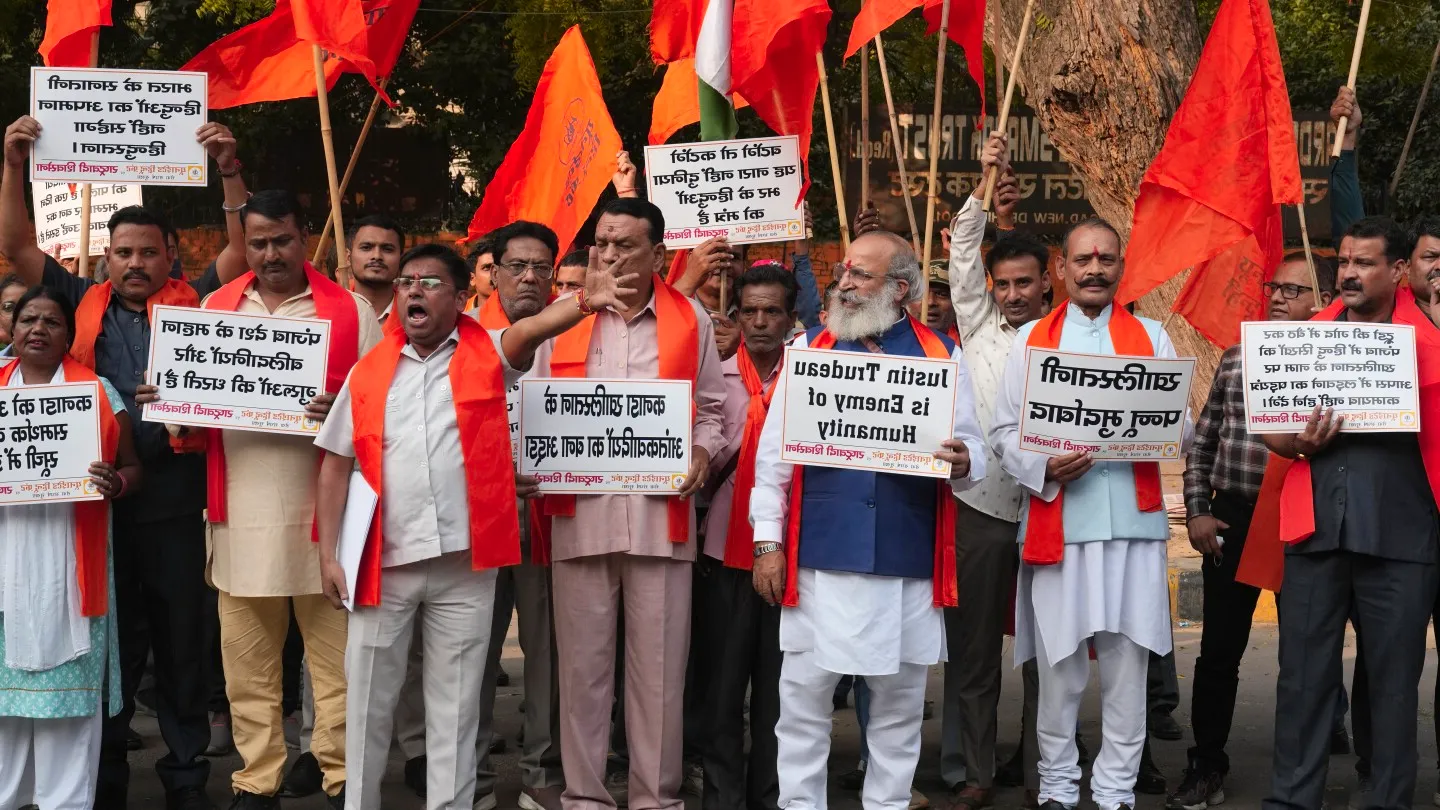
875	315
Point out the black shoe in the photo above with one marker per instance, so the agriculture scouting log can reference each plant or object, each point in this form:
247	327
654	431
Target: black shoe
502	678
337	802
1339	741
415	775
853	780
1164	727
1149	780
1199	789
254	801
304	778
133	740
1012	773
1054	805
188	798
497	745
1080	748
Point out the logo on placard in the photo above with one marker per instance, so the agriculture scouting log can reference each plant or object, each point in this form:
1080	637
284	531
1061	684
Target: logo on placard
793	229
937	464
1407	419
309	425
1171	450
88	487
677	481
194	172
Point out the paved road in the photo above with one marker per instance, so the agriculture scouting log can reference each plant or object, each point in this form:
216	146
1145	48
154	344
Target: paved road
1249	751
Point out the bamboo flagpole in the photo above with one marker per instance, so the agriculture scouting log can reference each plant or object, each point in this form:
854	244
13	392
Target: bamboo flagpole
1004	120
322	95
82	254
895	143
1309	257
1354	72
1414	121
834	155
864	125
350	170
934	146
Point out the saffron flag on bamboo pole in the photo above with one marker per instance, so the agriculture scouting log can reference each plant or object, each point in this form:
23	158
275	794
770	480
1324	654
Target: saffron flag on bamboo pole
70	26
966	29
272	59
677	105
556	170
1211	199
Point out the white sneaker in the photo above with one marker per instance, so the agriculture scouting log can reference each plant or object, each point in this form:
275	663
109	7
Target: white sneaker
486	802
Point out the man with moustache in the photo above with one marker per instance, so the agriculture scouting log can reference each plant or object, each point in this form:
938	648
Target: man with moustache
1223	474
1362	534
873	553
524	269
987	517
643	544
261	507
376	242
743	655
437	537
482	264
159	539
1093	537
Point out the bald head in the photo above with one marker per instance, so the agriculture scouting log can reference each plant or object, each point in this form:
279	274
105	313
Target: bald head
893	243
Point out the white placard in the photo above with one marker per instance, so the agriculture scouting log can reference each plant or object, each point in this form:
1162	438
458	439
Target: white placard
877	412
243	372
588	436
1365	371
1114	407
57	215
49	437
745	190
118	126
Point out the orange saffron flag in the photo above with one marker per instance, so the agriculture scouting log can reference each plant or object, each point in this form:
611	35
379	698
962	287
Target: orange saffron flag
677	105
967	29
556	170
69	26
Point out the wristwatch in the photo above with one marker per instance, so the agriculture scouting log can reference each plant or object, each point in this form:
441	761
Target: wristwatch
765	548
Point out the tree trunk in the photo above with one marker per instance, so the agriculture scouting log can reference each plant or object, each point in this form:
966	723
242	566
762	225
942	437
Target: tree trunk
1104	77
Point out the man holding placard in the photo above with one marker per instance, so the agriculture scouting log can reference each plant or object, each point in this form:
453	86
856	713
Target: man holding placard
1093	539
1364	537
867	568
641	543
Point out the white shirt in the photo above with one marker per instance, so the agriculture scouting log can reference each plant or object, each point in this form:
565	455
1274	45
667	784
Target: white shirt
987	338
426	512
769	501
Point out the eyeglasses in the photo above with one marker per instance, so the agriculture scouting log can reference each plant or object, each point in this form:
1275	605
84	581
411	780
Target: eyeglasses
427	284
517	268
849	268
1287	291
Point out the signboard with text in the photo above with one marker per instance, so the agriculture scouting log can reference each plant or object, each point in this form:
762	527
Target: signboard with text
745	190
57	215
49	437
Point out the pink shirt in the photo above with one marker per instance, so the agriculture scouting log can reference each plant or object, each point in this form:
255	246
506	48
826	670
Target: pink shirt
637	524
737	404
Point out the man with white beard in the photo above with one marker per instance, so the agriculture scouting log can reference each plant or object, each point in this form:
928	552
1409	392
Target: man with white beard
873	555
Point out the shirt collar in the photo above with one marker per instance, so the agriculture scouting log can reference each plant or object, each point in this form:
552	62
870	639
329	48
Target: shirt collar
452	340
1073	314
252	291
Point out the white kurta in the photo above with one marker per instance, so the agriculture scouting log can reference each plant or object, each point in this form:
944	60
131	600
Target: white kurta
1117	585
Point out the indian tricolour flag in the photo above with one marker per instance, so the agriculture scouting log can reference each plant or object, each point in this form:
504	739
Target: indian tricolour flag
712	67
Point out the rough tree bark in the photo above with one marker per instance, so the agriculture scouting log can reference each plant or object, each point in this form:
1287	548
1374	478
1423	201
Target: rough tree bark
1104	77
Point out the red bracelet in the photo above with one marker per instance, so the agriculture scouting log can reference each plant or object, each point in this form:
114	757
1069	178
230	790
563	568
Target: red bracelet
580	303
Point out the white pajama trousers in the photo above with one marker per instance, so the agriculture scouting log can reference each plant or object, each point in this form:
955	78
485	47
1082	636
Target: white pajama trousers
49	763
1123	665
897	706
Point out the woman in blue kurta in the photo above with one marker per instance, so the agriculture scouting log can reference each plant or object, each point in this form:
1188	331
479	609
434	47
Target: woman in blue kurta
57	637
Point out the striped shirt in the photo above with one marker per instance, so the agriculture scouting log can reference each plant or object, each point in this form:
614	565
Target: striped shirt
1225	457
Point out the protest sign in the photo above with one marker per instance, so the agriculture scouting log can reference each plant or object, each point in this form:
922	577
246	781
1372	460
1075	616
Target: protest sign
588	436
242	372
50	435
512	415
1113	407
1365	371
875	412
57	215
745	191
118	126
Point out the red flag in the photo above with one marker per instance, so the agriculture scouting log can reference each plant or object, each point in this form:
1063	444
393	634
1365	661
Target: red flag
69	26
772	62
967	29
677	104
269	60
674	27
1228	164
564	158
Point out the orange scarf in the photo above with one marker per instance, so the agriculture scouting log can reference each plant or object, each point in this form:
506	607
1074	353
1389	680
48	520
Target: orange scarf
92	518
492	316
1045	528
739	534
947	592
1262	561
478	384
679	339
90	317
333	303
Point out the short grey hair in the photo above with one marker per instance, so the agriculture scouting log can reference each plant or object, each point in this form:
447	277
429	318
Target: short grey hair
905	267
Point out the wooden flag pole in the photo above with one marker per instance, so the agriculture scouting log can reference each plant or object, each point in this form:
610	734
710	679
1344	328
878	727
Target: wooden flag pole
834	155
895	143
1309	257
934	146
1354	72
82	255
864	125
323	96
350	170
1414	121
1003	122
